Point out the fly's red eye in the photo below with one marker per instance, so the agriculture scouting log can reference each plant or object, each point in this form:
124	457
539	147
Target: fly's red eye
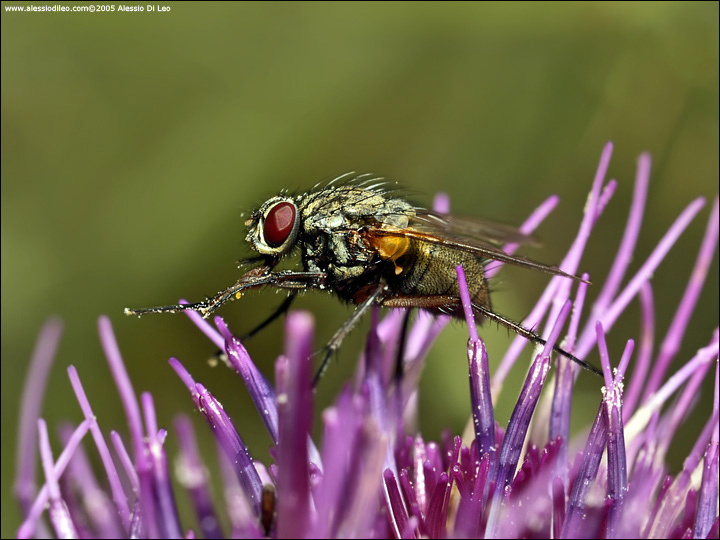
279	223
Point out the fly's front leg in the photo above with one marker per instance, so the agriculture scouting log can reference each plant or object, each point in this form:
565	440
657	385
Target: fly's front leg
253	279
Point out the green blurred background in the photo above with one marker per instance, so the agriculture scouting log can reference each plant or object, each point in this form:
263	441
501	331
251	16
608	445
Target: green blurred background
131	143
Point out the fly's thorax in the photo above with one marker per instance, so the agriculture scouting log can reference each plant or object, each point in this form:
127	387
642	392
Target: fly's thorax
342	255
346	208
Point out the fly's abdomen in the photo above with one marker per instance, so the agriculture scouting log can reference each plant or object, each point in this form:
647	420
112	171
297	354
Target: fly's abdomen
428	269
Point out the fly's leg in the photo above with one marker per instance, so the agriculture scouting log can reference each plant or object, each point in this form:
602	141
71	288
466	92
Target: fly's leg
281	310
532	336
400	358
257	277
221	356
334	343
453	306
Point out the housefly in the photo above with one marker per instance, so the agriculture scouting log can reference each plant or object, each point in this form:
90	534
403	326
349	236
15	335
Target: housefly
361	240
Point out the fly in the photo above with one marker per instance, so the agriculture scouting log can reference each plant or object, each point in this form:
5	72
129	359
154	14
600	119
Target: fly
363	242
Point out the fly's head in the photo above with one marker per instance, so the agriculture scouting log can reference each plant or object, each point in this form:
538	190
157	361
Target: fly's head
273	228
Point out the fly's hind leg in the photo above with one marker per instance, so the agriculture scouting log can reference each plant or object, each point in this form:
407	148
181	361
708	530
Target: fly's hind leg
451	305
532	336
438	305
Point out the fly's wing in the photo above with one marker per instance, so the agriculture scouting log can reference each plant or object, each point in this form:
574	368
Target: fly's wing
481	230
465	235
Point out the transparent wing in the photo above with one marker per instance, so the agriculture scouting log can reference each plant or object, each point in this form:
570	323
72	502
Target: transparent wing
465	235
484	231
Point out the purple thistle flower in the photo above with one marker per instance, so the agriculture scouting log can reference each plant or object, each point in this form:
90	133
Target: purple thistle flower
368	476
